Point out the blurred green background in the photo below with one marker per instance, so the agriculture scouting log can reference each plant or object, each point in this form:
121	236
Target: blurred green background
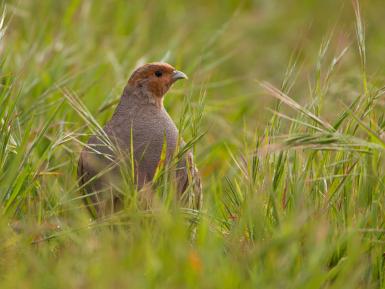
300	216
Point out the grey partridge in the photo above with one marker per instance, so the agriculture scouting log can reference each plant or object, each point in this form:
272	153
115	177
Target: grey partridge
139	133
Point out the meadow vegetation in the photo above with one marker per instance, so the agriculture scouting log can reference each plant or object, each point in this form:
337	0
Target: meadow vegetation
284	108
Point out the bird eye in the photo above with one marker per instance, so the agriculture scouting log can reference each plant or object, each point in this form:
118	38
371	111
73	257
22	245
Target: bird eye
158	73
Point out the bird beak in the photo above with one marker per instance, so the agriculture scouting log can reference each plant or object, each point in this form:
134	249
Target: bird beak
178	75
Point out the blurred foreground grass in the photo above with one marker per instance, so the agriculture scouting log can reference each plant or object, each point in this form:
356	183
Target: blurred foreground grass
292	159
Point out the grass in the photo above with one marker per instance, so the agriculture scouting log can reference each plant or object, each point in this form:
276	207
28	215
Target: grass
284	111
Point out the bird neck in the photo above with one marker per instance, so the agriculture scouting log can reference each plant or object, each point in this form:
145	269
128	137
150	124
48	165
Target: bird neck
134	96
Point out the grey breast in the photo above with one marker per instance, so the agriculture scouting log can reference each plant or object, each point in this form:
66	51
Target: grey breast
151	129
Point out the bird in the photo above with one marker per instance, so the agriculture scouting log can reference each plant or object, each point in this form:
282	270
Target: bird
138	134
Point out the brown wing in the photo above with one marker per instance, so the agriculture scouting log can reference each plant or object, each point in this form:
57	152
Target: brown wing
89	184
85	187
94	178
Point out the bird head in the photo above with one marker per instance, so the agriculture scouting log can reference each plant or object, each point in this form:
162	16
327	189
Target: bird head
155	78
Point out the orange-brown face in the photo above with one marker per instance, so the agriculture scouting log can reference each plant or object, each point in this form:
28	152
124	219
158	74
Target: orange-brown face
156	78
